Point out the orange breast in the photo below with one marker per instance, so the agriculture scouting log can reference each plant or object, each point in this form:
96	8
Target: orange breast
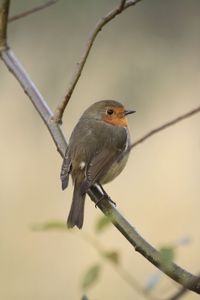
117	118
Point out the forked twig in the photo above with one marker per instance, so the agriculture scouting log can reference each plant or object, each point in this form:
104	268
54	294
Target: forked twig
102	22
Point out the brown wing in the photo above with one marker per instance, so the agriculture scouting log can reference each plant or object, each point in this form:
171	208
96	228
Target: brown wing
98	167
101	163
109	152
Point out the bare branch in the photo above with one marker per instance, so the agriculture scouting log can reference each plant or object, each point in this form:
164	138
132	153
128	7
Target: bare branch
166	125
32	10
102	22
158	129
4	9
180	293
175	272
123	2
36	98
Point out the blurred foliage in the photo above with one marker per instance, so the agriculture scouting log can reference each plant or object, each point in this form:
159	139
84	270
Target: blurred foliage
50	225
91	276
167	256
153	281
102	223
112	256
84	297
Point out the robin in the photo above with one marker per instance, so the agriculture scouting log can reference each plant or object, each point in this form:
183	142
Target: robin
95	152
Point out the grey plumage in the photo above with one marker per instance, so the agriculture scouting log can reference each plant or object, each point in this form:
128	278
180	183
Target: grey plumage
92	156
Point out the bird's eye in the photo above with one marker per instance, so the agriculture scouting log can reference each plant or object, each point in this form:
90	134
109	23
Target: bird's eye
110	112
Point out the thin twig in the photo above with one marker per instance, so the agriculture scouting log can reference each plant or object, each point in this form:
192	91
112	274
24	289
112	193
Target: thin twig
32	10
180	293
166	125
102	22
156	130
122	4
4	8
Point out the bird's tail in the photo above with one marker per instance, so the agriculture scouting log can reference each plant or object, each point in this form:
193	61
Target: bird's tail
76	214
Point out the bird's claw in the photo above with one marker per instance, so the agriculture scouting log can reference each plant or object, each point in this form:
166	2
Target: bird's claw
111	201
105	196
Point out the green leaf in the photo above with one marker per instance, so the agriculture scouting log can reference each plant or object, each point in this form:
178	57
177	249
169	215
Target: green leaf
84	297
167	255
113	256
50	225
102	223
91	276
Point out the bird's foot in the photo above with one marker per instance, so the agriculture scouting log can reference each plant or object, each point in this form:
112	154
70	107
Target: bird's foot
98	200
105	196
110	200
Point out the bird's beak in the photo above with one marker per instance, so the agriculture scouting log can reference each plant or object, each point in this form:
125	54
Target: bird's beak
128	112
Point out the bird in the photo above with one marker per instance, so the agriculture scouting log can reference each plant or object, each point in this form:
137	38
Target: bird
94	153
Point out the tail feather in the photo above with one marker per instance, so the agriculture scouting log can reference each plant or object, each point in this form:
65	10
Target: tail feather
76	214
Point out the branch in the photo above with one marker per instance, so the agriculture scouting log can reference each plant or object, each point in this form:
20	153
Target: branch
175	272
32	10
180	275
156	130
102	22
179	294
36	98
4	8
165	126
123	2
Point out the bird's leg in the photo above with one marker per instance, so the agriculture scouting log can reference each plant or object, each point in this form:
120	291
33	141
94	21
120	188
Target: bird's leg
104	196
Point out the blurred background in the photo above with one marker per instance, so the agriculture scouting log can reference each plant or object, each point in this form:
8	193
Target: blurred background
148	58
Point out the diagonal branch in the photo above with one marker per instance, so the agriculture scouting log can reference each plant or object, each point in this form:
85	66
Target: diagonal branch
4	8
80	65
36	98
123	2
165	126
175	272
32	10
180	293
